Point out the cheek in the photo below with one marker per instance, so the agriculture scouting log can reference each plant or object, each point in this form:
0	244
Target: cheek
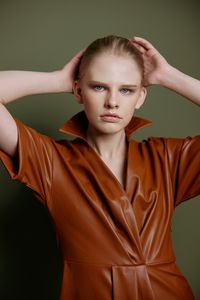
131	102
91	99
136	98
89	103
87	93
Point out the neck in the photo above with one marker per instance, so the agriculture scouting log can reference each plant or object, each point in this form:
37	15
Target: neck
108	146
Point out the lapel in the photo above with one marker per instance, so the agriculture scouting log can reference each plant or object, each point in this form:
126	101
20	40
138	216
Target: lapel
115	197
77	126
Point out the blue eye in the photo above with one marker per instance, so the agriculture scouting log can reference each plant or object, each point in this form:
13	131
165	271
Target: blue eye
98	87
127	91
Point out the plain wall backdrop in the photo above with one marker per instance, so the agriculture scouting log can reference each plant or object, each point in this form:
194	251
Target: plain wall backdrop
43	35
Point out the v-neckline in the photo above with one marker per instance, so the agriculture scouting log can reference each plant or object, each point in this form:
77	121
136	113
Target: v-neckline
124	188
121	196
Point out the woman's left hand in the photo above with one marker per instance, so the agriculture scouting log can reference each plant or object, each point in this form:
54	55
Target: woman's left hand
155	65
158	71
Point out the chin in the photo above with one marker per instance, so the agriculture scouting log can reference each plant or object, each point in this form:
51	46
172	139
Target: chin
108	129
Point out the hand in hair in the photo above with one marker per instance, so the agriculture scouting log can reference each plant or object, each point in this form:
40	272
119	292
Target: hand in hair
158	71
154	63
69	71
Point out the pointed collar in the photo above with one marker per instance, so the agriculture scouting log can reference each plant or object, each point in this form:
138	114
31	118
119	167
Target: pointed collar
77	125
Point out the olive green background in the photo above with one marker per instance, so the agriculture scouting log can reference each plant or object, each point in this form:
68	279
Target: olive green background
42	36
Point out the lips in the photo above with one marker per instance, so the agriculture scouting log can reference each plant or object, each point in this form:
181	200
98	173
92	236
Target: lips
110	118
111	115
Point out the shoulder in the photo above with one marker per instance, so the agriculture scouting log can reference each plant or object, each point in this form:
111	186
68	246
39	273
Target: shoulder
155	141
168	146
28	133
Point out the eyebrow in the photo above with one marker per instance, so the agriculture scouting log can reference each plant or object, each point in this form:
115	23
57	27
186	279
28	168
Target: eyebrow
122	85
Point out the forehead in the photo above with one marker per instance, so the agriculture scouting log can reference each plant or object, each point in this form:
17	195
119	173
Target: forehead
111	67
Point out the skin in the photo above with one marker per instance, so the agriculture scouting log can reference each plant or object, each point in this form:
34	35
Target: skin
158	71
104	88
17	84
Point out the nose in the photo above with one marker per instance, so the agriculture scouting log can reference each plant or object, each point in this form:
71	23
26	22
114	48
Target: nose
111	100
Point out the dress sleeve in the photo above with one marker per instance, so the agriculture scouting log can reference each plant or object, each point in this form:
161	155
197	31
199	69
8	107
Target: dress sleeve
184	161
33	165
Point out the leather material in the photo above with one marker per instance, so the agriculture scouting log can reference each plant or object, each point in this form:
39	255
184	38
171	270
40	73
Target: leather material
115	240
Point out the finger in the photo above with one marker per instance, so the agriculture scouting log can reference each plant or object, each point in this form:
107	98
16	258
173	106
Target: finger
79	54
140	48
149	49
146	44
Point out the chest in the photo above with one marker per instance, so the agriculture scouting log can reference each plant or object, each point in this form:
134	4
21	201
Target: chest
140	175
117	168
90	206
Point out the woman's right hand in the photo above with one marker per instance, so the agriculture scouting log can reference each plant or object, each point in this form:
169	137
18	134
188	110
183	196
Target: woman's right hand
68	72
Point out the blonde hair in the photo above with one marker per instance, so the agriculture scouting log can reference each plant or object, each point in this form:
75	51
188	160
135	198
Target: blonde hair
109	44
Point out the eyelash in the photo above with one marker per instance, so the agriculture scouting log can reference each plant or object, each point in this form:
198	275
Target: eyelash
95	86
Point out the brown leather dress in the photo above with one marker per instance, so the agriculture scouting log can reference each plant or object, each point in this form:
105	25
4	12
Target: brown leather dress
115	240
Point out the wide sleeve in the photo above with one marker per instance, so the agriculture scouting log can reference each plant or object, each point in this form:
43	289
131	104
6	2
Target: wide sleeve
184	163
33	165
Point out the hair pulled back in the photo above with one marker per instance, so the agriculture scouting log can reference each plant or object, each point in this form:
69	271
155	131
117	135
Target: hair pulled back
112	44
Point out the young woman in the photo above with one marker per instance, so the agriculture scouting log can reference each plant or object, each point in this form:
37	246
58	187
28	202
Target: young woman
111	198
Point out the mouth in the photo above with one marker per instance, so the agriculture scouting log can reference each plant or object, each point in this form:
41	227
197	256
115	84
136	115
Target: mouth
111	118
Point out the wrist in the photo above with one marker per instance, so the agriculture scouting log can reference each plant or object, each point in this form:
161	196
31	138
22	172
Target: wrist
167	76
58	81
64	84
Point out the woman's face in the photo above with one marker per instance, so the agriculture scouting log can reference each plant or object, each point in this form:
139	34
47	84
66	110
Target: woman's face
110	84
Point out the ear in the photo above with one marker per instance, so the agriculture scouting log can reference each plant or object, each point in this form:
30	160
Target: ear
141	98
77	91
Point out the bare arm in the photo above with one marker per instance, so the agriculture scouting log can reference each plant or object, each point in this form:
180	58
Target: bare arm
182	84
158	71
17	84
14	85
